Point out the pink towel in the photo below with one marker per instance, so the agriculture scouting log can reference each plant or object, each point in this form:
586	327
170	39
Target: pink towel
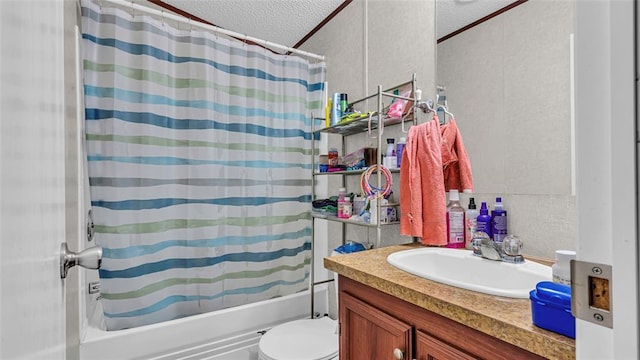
422	200
455	161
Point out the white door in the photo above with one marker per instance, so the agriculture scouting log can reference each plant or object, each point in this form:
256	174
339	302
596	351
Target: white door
607	185
36	195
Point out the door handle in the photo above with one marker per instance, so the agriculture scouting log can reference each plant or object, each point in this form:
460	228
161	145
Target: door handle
90	258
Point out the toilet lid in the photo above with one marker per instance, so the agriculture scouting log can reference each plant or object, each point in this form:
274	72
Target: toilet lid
310	339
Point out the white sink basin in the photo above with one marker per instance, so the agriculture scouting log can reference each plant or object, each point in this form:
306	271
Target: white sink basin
462	269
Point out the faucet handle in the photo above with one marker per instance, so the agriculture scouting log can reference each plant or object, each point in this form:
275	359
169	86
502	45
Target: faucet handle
476	241
512	245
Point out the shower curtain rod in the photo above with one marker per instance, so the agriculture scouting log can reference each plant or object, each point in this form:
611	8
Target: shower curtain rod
185	20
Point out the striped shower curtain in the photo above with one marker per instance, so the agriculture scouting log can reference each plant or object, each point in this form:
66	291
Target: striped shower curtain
199	152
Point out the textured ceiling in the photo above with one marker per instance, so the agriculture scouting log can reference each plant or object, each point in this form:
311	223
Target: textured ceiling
283	22
286	22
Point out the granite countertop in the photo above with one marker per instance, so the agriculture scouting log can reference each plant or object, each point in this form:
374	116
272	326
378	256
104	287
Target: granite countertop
504	318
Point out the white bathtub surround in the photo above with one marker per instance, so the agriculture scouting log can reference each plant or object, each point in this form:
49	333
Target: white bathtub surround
229	334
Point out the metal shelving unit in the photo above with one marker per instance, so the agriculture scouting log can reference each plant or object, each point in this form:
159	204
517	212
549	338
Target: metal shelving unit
346	129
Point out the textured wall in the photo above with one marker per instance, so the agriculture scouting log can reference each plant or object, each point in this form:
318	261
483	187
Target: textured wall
371	43
508	84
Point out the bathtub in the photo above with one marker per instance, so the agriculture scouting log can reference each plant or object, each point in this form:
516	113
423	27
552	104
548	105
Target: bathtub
229	334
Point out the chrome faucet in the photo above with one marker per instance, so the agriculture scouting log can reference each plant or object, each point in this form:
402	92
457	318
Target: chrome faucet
509	250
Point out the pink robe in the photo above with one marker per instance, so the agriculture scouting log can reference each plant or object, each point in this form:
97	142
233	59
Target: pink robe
433	162
422	196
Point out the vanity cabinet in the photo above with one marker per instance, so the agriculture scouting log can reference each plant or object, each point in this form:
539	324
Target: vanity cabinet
370	334
375	325
430	348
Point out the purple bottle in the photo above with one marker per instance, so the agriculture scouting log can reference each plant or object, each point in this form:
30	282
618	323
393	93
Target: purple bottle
484	220
400	150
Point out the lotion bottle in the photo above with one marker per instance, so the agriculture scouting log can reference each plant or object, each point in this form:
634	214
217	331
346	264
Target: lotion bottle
455	221
499	222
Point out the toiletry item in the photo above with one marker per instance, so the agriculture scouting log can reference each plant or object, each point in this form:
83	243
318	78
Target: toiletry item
346	208
470	219
551	308
342	194
343	103
455	221
483	221
335	109
498	222
561	269
373	209
359	205
400	150
390	155
327	113
333	157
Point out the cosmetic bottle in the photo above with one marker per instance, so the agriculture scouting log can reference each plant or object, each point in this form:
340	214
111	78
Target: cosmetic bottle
400	150
342	193
470	219
483	221
455	221
499	221
390	155
561	270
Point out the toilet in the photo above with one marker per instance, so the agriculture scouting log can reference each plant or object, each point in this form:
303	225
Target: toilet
307	339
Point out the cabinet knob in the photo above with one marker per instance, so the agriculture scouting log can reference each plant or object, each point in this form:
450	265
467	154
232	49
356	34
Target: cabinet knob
397	354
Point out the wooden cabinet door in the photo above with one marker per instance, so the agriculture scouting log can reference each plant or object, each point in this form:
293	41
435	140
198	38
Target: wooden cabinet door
369	334
430	348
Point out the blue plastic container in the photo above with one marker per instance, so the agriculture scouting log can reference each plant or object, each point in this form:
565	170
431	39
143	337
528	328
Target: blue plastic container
349	247
551	308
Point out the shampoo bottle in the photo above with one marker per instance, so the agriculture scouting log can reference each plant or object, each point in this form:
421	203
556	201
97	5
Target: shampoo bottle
483	222
471	219
390	158
335	109
400	150
499	222
455	221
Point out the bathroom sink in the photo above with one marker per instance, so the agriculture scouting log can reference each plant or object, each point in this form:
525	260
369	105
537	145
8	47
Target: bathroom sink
462	269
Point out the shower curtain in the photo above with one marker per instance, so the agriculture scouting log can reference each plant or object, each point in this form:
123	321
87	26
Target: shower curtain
199	153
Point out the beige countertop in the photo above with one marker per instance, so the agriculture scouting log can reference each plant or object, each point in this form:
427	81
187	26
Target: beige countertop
503	318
